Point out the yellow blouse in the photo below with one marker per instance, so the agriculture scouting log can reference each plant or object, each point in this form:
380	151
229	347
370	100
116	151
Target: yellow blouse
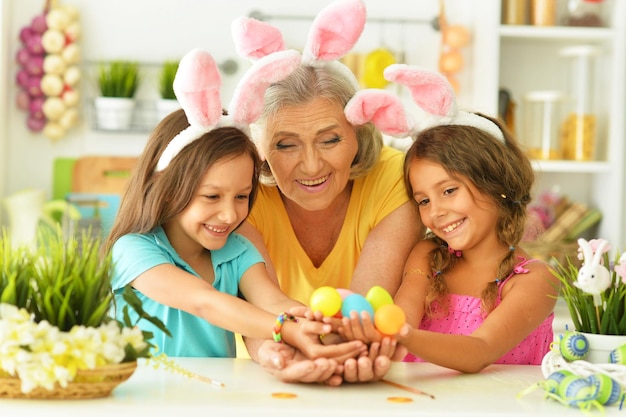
373	197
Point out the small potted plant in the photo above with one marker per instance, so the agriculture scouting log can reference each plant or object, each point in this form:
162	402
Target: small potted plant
58	339
118	81
167	102
595	294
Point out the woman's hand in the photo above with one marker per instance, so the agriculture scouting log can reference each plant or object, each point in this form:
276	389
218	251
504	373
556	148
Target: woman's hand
374	364
289	365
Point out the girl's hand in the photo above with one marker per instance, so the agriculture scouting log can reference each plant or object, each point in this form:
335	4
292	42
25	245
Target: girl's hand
305	335
359	328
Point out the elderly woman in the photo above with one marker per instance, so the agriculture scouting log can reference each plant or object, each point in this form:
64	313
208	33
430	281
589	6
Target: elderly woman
332	208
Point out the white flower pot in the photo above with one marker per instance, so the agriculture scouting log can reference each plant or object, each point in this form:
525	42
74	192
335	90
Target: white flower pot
601	345
165	107
114	113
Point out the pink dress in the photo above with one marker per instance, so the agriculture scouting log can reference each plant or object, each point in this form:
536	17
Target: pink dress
466	316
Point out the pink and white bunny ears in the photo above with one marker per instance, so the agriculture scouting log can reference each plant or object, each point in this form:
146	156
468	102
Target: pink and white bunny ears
333	33
432	93
197	87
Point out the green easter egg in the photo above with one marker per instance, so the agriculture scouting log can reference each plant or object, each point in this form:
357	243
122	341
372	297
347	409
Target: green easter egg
552	382
618	355
574	389
378	297
608	390
574	346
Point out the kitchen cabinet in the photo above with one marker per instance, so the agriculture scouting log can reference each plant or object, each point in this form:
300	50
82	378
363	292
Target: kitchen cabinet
524	58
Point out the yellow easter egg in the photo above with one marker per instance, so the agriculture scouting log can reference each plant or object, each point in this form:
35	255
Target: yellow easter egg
327	300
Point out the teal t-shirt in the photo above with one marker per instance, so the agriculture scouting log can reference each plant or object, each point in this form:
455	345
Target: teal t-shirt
192	336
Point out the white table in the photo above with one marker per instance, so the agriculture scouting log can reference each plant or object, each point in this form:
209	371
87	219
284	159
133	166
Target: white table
248	391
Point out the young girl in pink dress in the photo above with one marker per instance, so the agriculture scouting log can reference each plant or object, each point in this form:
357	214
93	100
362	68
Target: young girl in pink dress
471	295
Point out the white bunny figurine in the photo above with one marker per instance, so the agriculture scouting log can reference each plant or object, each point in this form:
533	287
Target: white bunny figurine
593	278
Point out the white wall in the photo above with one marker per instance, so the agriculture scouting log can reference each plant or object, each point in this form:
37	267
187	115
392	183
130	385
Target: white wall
154	30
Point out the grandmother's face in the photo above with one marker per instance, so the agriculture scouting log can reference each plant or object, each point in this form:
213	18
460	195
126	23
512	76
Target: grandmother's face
310	149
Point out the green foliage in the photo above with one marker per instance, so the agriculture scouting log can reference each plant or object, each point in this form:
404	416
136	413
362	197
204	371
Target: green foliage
135	303
166	80
15	273
118	78
67	282
608	318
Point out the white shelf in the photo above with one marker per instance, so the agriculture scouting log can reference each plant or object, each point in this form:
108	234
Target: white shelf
571	166
556	33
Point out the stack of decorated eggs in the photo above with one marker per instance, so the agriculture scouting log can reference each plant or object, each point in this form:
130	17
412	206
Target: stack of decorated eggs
583	390
339	302
49	74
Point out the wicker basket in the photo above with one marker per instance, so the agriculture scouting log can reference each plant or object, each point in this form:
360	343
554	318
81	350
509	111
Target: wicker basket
89	383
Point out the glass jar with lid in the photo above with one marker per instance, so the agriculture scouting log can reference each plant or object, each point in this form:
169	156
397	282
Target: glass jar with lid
542	113
579	131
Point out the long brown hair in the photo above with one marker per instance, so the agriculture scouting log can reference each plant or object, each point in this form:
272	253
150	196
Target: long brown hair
499	170
152	198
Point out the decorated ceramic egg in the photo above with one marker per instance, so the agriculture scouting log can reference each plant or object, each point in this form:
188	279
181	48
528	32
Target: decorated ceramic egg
574	346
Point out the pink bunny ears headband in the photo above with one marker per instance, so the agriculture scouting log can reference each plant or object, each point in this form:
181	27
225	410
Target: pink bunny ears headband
197	87
432	93
335	30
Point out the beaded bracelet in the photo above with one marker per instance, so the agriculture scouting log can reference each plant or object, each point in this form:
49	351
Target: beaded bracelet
278	326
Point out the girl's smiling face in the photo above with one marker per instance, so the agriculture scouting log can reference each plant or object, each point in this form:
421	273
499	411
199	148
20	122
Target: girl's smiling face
310	149
452	207
217	208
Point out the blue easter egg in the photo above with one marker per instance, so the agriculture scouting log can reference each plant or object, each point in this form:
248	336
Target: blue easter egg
358	303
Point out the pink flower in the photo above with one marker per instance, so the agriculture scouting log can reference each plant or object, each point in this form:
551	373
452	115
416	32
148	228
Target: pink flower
620	268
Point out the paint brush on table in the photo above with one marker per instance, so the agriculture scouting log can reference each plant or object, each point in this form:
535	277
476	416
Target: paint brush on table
407	388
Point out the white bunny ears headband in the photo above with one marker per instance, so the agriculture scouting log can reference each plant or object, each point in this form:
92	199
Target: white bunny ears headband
333	33
197	87
432	93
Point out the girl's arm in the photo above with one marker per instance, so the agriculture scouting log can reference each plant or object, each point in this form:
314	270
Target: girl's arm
416	278
176	288
527	300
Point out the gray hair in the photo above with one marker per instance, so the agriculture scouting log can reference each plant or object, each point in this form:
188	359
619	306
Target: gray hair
330	82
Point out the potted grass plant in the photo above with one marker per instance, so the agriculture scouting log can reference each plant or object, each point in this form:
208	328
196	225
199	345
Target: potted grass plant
57	336
593	286
167	102
118	81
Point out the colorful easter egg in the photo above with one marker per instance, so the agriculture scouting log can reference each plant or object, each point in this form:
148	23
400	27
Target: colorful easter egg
389	318
574	389
378	297
618	355
608	390
552	382
327	300
358	303
574	346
